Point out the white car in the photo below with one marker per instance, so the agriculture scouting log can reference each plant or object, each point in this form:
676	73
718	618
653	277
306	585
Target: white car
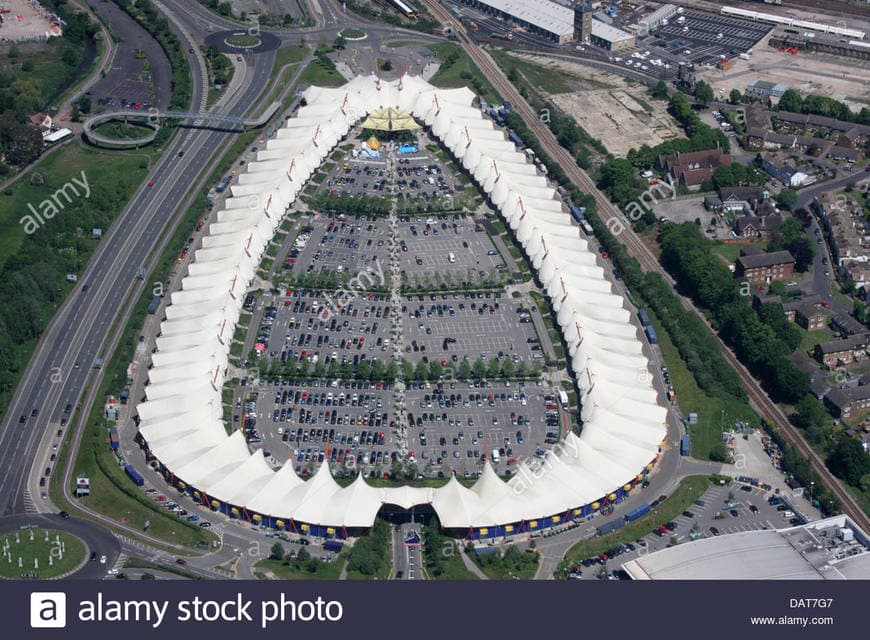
102	559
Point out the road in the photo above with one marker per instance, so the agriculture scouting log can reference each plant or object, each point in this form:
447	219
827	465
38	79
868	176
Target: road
59	369
618	224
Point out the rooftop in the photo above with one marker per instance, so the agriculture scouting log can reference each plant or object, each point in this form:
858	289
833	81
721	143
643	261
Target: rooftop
814	551
765	259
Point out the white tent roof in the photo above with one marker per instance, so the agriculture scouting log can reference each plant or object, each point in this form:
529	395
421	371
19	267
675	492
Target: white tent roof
182	418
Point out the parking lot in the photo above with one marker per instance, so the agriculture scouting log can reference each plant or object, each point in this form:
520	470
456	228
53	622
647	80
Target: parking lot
704	37
340	244
472	326
321	385
722	510
453	246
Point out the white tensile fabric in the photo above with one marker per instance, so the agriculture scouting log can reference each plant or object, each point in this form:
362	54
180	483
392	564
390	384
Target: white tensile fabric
181	418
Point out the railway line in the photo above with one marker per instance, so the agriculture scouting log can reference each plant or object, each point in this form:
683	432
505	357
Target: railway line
614	220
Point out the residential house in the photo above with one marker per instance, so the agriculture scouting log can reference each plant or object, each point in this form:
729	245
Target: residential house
810	317
691	169
745	199
848	403
756	227
845	352
846	325
765	267
845	154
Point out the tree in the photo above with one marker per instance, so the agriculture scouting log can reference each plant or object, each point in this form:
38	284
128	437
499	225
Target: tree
703	93
464	369
791	101
808	413
660	91
479	368
787	198
735	97
719	453
339	42
276	552
849	461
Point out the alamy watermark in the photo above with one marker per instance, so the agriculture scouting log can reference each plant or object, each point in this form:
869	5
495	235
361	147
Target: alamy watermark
55	203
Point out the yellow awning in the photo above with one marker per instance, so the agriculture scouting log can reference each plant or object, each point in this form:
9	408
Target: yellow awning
390	119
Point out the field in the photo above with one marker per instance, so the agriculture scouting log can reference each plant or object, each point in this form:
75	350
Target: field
458	70
616	111
65	551
712	412
321	74
838	78
689	490
281	571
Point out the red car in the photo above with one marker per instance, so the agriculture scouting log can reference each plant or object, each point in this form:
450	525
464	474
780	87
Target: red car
150	183
825	304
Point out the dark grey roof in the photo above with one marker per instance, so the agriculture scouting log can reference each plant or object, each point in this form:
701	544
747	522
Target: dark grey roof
765	259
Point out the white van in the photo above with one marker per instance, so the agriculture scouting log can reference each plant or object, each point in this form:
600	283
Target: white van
451	258
495	456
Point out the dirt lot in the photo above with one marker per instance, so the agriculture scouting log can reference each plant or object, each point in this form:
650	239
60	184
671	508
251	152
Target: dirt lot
845	79
24	21
619	113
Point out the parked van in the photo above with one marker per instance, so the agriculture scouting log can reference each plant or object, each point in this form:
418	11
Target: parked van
495	456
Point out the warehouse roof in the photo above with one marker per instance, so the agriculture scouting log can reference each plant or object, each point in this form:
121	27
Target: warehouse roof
543	14
814	551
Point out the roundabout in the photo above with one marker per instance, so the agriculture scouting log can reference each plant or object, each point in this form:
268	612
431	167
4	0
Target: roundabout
351	34
41	553
71	544
240	41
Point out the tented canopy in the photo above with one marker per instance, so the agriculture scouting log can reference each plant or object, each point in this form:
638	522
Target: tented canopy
181	419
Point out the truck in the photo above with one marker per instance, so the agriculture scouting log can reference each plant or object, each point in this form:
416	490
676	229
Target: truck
685	445
134	475
563	397
333	545
644	317
637	512
516	140
113	439
154	305
587	228
651	334
578	213
610	527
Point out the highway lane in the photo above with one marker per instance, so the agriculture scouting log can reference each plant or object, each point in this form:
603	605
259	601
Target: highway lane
58	371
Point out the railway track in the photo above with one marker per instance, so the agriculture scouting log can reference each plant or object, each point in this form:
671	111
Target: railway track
614	220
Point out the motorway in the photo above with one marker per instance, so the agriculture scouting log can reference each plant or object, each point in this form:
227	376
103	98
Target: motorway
60	367
618	224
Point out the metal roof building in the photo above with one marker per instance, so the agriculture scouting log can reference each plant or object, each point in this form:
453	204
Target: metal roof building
830	549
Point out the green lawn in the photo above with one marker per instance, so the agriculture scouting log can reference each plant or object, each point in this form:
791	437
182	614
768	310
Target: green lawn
729	252
290	54
508	563
121	131
809	339
242	40
712	411
352	33
62	549
451	75
324	571
319	74
395	44
690	489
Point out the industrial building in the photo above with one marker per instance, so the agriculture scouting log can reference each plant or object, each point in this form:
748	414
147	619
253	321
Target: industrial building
611	38
558	23
831	549
658	17
540	17
763	89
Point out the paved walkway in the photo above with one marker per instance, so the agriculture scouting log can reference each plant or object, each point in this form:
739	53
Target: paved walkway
470	564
